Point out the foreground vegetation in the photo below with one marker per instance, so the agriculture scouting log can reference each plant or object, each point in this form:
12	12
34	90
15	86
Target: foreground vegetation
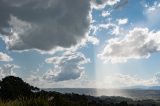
70	100
15	92
26	102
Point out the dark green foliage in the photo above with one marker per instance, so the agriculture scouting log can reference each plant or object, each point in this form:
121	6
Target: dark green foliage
14	87
40	101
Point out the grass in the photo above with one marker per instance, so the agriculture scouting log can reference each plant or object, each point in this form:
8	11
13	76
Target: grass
26	102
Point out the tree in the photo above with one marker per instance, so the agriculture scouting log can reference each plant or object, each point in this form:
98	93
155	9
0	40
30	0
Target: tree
13	87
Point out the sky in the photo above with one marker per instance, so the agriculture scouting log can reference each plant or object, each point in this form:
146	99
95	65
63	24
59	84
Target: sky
81	43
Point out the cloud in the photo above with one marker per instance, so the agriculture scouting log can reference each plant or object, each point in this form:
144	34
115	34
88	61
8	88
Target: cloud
44	25
122	21
93	39
66	67
111	28
125	80
138	43
152	8
5	57
105	13
152	13
99	4
39	81
157	78
116	80
7	70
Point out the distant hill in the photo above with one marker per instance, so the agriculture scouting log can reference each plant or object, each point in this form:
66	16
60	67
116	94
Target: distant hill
145	87
154	88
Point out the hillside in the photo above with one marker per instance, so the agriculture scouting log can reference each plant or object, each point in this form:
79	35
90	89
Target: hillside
15	92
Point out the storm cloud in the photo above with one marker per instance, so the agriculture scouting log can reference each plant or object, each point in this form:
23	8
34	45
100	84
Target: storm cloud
44	25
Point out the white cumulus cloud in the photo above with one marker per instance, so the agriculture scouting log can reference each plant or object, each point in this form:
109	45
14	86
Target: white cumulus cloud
138	43
5	57
66	67
105	13
7	70
122	21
